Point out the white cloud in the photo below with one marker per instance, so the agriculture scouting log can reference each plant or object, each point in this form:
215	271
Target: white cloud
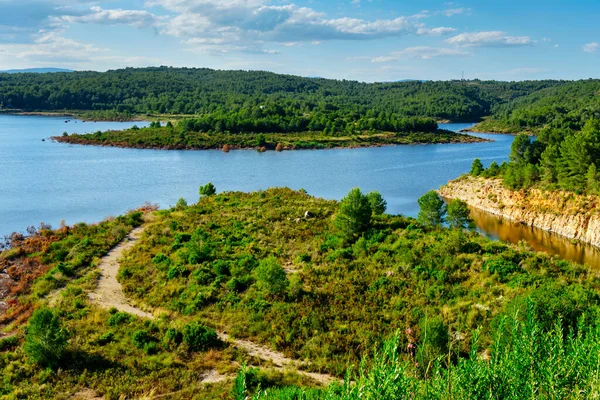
97	15
591	47
455	11
435	31
490	38
421	53
384	59
250	23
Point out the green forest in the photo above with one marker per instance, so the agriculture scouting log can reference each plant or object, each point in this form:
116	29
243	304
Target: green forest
219	97
566	107
556	159
165	90
394	307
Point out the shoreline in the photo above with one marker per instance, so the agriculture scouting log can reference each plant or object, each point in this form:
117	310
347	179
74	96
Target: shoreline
556	212
73	115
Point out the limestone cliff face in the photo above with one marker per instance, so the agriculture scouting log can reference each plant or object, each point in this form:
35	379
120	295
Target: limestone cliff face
568	214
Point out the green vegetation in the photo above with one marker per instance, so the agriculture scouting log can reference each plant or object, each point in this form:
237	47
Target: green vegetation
460	316
253	94
432	209
556	159
252	265
566	106
526	360
206	190
179	138
46	339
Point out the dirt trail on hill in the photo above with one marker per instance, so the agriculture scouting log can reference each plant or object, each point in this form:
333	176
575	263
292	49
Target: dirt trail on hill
109	294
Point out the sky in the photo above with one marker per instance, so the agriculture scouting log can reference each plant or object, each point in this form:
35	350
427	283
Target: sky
365	40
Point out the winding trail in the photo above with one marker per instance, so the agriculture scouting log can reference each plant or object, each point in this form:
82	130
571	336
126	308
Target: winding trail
109	294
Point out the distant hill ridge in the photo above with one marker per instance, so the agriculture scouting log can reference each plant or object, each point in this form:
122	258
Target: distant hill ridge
36	70
201	91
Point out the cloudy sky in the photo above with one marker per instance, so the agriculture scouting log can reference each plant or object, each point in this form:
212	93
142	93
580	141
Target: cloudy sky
367	40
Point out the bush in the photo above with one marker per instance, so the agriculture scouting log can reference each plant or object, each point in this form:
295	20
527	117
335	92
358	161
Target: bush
432	209
458	215
270	277
106	338
199	337
181	204
500	266
46	340
9	343
119	317
476	167
354	215
207	190
377	202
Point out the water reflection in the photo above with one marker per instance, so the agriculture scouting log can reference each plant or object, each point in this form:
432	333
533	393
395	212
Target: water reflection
499	228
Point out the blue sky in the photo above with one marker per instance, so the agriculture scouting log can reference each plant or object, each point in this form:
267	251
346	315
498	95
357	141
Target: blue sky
367	40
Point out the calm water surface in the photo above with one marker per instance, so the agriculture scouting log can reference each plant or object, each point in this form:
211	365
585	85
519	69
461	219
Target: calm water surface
43	181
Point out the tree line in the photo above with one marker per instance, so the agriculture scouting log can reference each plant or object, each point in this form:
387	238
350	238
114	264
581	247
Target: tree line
556	159
190	91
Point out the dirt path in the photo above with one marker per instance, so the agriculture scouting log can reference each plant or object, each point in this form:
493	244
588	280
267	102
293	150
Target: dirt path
279	360
109	293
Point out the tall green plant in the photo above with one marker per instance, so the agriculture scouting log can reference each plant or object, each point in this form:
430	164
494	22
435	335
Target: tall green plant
46	339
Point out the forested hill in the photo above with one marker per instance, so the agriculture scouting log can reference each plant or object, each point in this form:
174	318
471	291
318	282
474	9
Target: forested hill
201	91
565	106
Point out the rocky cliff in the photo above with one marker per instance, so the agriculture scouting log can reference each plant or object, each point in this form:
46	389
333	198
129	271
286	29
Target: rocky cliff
568	214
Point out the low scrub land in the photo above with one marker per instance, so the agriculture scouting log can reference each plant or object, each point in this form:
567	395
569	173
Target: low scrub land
400	307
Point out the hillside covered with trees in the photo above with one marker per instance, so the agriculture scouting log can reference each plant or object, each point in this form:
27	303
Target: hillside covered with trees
557	158
565	107
164	90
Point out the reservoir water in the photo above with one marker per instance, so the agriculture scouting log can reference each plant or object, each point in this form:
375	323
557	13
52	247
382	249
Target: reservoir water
44	181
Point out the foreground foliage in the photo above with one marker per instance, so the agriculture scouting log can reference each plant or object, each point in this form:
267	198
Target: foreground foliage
526	361
478	319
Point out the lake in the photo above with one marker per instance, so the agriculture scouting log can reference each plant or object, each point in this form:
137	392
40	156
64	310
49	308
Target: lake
43	181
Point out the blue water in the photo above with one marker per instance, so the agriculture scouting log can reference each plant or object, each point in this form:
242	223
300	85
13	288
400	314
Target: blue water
49	182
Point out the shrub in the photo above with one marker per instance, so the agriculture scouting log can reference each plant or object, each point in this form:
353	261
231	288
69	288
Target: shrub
354	215
476	167
9	343
46	340
500	266
207	190
181	204
106	338
458	215
172	338
199	337
119	317
270	277
176	271
432	209
377	202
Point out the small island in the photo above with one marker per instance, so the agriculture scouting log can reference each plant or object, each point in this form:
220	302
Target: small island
213	133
